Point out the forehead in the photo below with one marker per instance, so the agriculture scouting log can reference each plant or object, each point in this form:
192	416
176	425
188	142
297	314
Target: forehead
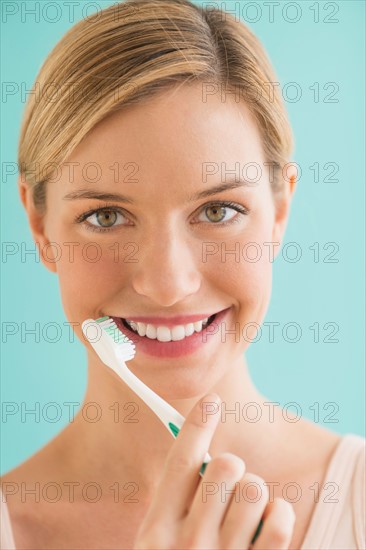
176	136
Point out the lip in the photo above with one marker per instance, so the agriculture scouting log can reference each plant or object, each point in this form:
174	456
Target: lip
172	321
208	336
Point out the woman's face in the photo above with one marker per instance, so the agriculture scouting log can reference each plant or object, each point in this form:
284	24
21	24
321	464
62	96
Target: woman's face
168	251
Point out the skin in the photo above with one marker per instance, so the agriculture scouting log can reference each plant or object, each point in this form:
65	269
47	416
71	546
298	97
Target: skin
168	138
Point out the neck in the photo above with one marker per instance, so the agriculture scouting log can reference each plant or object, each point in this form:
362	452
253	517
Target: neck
115	434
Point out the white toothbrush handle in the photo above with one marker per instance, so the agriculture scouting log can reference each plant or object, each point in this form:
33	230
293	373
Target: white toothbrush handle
169	416
114	353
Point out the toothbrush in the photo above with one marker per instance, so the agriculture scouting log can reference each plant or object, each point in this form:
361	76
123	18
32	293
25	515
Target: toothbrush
114	348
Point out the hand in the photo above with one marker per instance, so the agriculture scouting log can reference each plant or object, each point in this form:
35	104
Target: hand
190	512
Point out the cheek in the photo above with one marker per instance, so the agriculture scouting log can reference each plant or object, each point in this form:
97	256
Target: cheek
242	266
89	273
244	271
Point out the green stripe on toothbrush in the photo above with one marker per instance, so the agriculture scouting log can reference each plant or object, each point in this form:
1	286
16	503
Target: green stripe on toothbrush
174	429
256	534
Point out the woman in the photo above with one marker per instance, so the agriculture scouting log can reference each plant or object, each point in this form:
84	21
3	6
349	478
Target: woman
127	158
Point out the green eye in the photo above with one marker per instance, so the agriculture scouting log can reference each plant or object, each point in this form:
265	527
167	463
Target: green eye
218	213
103	219
222	213
106	218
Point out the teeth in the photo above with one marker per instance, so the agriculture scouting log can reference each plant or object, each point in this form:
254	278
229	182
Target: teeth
133	325
150	331
198	326
165	334
141	328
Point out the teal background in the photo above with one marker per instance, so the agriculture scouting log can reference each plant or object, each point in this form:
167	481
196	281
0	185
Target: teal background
306	292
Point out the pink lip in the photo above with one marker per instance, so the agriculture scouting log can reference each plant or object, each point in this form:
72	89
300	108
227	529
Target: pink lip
188	345
172	321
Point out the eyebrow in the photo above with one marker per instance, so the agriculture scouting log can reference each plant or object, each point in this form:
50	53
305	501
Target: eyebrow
232	183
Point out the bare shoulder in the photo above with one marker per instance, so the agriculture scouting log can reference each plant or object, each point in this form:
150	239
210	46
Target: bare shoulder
26	478
48	509
315	442
318	449
313	448
21	491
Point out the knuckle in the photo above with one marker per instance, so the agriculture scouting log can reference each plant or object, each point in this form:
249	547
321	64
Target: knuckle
149	538
194	538
281	534
254	487
281	530
196	419
181	463
286	508
191	544
227	465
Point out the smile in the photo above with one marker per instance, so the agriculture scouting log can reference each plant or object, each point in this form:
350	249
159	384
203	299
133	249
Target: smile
158	340
166	334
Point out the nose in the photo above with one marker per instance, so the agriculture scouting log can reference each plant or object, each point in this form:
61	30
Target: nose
167	270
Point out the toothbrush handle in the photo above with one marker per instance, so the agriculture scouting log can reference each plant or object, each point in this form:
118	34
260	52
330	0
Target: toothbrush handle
203	468
174	430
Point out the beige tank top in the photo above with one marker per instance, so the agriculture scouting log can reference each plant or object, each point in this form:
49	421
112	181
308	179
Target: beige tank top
338	521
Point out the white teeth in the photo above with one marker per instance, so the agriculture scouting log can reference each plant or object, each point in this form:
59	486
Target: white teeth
198	326
150	331
178	333
189	329
141	328
165	334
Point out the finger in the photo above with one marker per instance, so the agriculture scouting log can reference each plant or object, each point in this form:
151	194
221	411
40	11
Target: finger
213	496
278	525
180	475
244	513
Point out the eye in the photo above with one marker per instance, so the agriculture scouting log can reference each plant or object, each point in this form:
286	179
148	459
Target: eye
217	211
102	219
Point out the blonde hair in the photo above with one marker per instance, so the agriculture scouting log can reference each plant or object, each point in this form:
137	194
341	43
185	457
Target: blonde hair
130	51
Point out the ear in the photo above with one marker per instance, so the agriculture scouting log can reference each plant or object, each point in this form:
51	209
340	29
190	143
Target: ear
37	224
282	205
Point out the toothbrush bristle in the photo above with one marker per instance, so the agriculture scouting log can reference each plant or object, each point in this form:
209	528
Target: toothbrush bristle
126	345
101	319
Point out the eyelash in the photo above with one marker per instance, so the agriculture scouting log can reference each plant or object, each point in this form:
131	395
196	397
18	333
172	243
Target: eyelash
227	204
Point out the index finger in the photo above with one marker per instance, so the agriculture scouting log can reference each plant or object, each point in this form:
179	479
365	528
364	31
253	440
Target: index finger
180	478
